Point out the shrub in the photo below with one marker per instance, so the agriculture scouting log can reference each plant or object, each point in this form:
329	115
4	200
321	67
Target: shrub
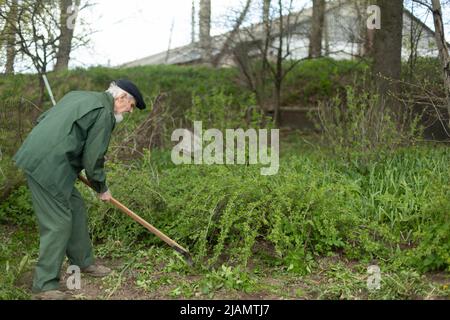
315	206
358	124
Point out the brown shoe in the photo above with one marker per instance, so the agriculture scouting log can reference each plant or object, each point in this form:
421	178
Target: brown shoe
51	295
96	270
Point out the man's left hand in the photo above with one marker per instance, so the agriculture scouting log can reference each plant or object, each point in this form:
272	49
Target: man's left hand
106	196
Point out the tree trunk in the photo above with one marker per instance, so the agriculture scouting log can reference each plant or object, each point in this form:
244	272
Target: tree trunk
67	29
193	22
326	36
315	38
10	35
443	49
279	72
267	24
369	43
266	102
361	27
266	16
366	35
388	48
205	31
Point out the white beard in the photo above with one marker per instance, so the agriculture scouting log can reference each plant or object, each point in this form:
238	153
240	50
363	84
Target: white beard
119	117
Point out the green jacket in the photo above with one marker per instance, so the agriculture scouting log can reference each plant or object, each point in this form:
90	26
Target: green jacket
72	136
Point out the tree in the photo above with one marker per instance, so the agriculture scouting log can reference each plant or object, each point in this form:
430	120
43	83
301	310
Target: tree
388	47
43	31
264	57
317	26
365	35
193	22
68	14
443	48
11	38
266	24
35	35
415	34
8	36
32	30
434	6
266	41
231	35
205	31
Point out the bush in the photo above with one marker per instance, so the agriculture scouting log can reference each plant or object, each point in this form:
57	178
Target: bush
18	209
315	80
358	126
315	206
10	178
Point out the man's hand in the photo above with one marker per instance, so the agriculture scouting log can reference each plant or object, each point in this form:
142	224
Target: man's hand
106	196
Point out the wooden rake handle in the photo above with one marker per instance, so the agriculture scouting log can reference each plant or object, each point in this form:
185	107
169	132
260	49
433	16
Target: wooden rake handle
138	219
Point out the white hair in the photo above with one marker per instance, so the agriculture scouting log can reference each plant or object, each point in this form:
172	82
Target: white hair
116	91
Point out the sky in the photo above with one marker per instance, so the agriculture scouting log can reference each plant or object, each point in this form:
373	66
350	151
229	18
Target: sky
123	31
133	29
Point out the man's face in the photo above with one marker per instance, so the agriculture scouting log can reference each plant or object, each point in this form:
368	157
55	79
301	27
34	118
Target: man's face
124	104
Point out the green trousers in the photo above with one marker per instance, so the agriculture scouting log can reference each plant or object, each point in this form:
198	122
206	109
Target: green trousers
63	231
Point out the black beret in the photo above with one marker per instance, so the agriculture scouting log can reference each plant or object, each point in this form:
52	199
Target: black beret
131	88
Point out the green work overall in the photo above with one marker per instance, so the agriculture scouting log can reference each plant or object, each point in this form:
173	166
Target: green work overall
72	136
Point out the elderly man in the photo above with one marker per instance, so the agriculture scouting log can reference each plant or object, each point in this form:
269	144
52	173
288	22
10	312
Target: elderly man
72	136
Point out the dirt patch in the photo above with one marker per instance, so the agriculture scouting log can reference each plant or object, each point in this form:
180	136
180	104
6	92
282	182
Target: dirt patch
125	283
442	278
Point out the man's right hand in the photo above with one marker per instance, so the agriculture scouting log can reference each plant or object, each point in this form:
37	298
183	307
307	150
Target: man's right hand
106	196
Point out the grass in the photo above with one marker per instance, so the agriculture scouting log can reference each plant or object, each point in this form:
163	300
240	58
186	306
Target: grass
18	252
